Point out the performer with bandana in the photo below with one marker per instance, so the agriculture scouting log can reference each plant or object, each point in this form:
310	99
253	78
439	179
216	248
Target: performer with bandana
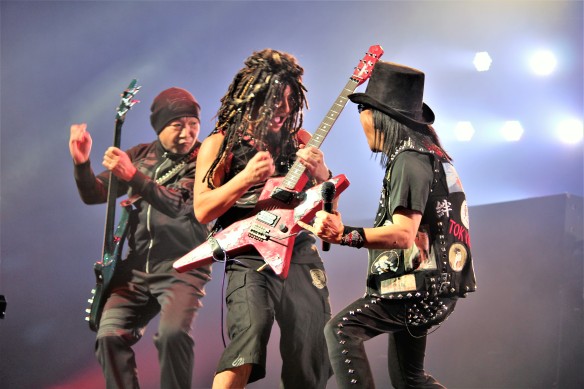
161	228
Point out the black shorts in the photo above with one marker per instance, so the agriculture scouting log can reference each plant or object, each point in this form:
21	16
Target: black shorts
300	305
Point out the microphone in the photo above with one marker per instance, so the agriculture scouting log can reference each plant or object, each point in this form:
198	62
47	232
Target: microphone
328	195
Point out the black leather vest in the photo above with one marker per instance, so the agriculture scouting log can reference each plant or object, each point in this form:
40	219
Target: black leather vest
440	262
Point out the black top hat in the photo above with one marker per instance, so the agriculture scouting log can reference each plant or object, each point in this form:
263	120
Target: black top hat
398	91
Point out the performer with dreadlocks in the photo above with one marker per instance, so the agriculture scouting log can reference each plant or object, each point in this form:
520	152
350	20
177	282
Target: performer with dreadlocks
419	248
258	135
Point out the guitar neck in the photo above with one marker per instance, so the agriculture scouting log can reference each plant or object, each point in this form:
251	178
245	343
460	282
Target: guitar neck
126	103
295	173
112	194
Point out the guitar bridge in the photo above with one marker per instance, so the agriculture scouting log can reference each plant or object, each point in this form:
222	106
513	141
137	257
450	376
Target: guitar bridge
259	233
262	233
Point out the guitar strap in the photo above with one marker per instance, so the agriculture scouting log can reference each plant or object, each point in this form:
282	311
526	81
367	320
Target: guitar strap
128	203
162	179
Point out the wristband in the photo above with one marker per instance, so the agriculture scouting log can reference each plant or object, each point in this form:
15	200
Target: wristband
353	237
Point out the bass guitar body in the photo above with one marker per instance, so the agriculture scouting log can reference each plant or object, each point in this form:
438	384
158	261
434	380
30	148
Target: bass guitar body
104	273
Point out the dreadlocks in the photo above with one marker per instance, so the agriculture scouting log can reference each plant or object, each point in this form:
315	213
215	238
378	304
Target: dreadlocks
248	106
391	135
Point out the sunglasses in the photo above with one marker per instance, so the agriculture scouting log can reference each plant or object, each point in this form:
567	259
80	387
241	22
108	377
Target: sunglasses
362	107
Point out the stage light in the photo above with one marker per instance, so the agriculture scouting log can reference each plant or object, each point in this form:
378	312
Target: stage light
464	131
543	62
570	131
512	131
482	61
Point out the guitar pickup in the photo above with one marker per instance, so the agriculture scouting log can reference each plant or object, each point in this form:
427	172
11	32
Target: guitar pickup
267	218
283	195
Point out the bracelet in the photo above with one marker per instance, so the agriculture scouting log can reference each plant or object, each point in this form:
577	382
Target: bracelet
314	181
353	237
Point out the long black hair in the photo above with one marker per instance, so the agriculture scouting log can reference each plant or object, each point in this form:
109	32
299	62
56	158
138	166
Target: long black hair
392	136
248	106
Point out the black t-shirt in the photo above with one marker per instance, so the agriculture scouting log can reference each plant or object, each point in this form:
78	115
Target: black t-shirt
410	181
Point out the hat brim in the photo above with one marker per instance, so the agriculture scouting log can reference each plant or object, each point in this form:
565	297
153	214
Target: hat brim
365	99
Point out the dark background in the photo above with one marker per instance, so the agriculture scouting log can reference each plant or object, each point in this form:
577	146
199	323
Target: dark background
64	62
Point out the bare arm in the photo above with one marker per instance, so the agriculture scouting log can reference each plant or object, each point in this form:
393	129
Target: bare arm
399	235
211	203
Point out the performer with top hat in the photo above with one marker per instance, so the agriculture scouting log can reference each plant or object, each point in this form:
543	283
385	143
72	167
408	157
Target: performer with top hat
419	247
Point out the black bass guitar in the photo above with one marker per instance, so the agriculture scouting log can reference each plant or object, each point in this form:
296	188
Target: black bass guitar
113	240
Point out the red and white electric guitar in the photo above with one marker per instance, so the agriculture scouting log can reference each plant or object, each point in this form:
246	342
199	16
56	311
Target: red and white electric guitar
273	227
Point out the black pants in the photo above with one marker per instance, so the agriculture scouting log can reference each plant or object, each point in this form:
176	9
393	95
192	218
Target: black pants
368	317
132	304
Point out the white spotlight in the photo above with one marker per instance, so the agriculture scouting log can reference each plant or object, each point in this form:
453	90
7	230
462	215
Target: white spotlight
482	61
512	131
464	131
543	62
570	131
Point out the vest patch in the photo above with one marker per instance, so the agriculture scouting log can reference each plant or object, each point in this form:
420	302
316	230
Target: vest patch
385	262
405	283
464	215
452	178
457	256
420	256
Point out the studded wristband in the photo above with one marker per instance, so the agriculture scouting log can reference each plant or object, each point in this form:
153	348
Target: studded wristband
353	237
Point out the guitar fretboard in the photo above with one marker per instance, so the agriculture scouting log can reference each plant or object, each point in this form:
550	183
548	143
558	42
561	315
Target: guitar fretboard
293	177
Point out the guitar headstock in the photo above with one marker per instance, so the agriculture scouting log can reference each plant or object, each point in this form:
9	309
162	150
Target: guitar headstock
363	70
127	100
